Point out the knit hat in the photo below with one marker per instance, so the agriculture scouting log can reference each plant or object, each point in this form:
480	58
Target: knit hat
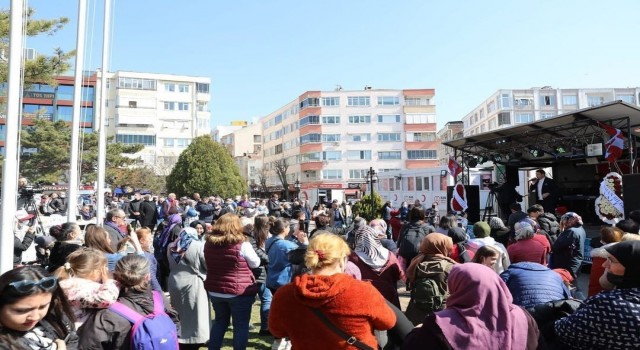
481	229
44	241
628	254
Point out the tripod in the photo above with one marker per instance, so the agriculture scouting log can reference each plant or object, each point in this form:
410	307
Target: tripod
32	208
490	205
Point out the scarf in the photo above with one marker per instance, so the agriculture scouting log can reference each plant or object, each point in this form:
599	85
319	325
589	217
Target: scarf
571	219
164	236
182	243
434	244
480	313
117	228
628	254
496	223
369	249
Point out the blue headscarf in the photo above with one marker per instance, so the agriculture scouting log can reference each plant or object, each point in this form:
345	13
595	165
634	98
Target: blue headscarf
187	235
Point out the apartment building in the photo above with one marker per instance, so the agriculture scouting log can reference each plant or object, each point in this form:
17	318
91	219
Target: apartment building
163	112
450	131
245	146
330	139
506	108
218	132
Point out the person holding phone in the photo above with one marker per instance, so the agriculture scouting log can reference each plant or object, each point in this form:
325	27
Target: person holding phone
34	311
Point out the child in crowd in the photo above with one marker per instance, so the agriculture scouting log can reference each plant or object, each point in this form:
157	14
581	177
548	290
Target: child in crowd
87	283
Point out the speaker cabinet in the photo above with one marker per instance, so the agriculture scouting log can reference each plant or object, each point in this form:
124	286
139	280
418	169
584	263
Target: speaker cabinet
631	199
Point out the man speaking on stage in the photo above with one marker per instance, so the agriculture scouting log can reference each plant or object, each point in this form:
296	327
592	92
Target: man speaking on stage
545	191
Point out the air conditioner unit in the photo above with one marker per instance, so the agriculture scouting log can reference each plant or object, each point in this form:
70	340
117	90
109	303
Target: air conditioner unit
337	143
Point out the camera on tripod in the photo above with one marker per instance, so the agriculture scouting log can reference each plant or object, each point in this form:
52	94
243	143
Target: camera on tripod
28	191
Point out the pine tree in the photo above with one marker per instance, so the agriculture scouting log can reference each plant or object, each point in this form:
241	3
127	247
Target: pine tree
207	168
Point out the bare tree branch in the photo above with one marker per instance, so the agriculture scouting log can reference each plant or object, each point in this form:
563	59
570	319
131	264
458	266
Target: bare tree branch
281	167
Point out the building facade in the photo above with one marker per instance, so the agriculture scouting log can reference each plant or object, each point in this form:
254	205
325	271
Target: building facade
506	108
330	139
163	112
450	131
245	146
218	132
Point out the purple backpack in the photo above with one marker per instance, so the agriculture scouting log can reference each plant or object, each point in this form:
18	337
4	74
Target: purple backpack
153	331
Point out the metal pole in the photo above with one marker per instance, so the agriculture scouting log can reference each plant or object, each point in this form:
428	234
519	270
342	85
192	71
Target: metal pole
72	208
10	164
373	203
102	116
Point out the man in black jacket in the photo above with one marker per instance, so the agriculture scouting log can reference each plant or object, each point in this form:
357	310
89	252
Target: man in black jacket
205	209
133	209
274	206
545	191
148	213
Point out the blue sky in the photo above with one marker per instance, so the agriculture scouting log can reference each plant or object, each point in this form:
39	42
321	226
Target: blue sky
261	55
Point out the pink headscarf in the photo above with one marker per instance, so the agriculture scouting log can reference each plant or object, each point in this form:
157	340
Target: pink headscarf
480	313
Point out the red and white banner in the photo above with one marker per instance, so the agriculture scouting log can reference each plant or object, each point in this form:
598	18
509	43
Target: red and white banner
615	145
459	198
454	168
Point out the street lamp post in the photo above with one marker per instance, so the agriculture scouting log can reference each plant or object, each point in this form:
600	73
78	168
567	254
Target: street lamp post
297	186
372	177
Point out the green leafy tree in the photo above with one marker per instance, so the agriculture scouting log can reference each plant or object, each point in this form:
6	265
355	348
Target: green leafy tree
363	208
140	178
207	168
48	151
43	69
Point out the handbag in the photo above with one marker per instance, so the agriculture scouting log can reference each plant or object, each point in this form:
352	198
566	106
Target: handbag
351	340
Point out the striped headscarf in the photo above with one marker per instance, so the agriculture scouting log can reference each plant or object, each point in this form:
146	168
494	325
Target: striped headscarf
369	248
187	235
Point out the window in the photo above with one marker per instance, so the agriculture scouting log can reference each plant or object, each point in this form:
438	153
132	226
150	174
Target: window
183	106
506	101
504	118
389	137
422	154
358	101
169	87
202	106
421	136
491	106
358	155
416	101
411	183
331	155
135	83
420	118
492	124
169	142
257	139
358	173
522	102
391	118
202	88
422	183
359	119
182	143
310	119
330	137
524	118
626	98
548	100
330	101
309	102
331	119
309	138
569	100
203	123
147	140
389	155
133	104
546	115
388	100
332	174
359	137
481	114
183	87
169	106
595	100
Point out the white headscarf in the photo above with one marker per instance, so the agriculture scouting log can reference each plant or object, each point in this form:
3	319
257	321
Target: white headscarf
369	248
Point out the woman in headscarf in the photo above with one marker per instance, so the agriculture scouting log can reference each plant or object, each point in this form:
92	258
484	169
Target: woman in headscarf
433	263
608	320
499	231
608	236
376	263
526	248
186	287
568	249
171	230
480	314
460	252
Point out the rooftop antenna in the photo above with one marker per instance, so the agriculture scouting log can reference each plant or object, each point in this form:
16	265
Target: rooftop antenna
338	87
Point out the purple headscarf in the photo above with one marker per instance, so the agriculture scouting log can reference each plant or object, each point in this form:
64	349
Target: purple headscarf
174	220
480	313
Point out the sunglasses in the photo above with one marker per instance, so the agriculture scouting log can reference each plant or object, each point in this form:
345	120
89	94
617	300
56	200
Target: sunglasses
46	284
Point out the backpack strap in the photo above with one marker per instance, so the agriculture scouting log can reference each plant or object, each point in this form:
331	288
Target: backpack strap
126	312
158	303
350	339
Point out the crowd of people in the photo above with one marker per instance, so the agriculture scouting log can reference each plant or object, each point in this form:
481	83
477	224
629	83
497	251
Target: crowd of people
188	269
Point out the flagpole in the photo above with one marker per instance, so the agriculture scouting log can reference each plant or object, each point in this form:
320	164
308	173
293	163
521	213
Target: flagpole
10	163
102	115
72	208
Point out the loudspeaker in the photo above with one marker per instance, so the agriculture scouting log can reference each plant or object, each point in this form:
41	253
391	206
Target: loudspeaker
473	201
511	175
631	200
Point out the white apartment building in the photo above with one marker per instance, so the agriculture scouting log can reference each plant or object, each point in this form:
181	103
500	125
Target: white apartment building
245	146
219	131
163	112
507	108
330	139
450	131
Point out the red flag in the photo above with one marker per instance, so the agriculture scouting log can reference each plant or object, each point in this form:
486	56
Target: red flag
454	168
615	145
